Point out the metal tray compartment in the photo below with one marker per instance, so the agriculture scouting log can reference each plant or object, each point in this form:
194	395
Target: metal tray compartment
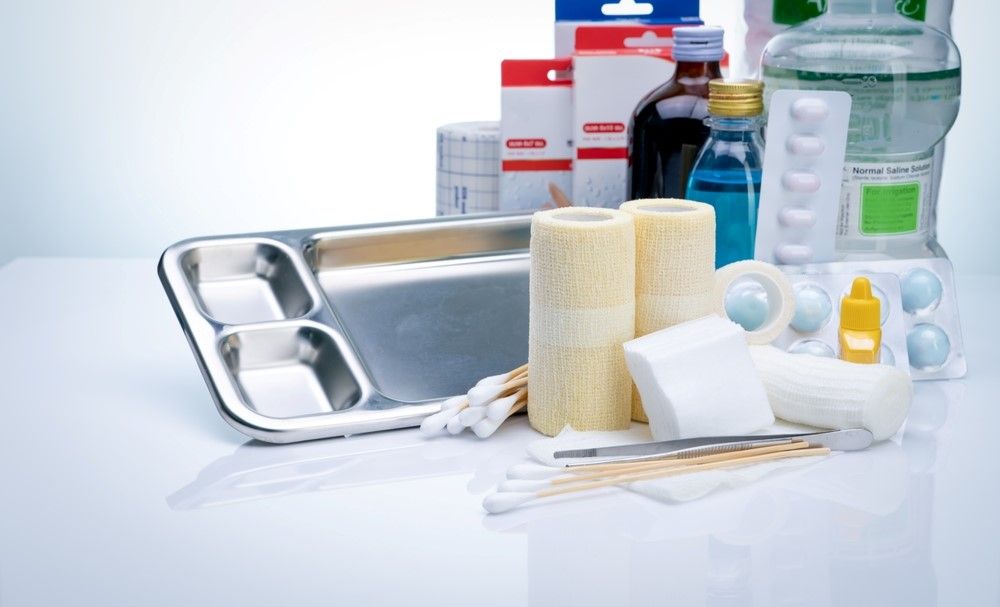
316	333
290	371
243	283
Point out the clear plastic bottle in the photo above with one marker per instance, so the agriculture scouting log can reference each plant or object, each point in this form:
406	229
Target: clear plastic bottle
727	172
904	79
667	128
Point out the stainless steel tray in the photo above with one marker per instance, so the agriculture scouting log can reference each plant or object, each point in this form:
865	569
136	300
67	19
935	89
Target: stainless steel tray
310	334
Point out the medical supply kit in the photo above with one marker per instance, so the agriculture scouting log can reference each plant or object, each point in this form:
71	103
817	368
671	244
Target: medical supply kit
629	261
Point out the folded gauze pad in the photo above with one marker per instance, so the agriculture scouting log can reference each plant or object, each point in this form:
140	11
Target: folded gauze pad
582	308
832	393
674	265
697	379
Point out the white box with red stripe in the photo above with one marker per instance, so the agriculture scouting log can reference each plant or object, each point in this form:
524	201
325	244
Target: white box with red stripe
536	147
613	69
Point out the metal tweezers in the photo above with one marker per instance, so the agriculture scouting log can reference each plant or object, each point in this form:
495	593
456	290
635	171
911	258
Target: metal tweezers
837	440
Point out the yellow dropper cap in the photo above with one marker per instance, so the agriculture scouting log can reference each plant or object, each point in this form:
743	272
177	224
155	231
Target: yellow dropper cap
861	311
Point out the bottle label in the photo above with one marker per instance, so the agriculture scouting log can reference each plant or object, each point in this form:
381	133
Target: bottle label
914	9
886	198
793	12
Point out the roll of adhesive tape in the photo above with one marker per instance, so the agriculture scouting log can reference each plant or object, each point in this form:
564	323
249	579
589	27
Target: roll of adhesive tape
582	309
780	298
468	168
675	266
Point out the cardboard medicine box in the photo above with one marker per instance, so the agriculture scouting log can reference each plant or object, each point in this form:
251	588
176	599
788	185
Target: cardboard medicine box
613	69
536	132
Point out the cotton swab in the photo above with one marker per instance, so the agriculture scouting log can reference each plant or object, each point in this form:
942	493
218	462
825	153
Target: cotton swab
497	396
454	402
487	427
498	409
455	425
480	395
434	424
470	416
504	501
502	378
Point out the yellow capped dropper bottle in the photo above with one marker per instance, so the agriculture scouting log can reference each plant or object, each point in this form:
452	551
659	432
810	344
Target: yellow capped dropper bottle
860	324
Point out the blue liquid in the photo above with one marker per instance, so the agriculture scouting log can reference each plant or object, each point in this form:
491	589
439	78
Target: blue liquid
735	194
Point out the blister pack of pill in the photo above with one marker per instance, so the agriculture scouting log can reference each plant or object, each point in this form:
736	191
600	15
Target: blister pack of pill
803	172
928	308
816	323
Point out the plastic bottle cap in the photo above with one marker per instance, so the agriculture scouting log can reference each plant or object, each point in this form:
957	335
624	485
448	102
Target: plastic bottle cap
860	311
698	43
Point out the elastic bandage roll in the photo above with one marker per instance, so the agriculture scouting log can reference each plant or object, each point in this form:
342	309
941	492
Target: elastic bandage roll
675	266
832	393
582	308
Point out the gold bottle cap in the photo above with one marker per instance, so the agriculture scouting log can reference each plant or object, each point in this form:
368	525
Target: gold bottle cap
735	98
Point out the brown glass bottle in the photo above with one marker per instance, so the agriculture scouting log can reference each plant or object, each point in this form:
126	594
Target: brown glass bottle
667	128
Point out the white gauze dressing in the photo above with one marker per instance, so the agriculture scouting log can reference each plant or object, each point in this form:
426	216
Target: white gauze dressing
697	379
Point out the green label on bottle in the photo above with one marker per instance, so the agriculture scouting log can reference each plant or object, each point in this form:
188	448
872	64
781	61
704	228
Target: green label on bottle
793	12
889	209
914	9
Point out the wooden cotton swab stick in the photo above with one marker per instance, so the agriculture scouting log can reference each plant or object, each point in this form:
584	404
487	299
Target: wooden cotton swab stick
495	380
522	370
671	470
502	502
598	471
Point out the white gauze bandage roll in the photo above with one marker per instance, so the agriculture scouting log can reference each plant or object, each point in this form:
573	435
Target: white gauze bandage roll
777	287
582	308
832	393
674	266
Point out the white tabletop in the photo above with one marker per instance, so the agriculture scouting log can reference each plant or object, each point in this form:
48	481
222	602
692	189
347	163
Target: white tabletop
123	486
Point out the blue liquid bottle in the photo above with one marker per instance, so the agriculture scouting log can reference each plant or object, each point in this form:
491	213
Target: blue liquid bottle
727	171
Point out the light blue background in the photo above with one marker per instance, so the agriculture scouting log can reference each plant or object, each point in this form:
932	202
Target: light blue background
125	126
